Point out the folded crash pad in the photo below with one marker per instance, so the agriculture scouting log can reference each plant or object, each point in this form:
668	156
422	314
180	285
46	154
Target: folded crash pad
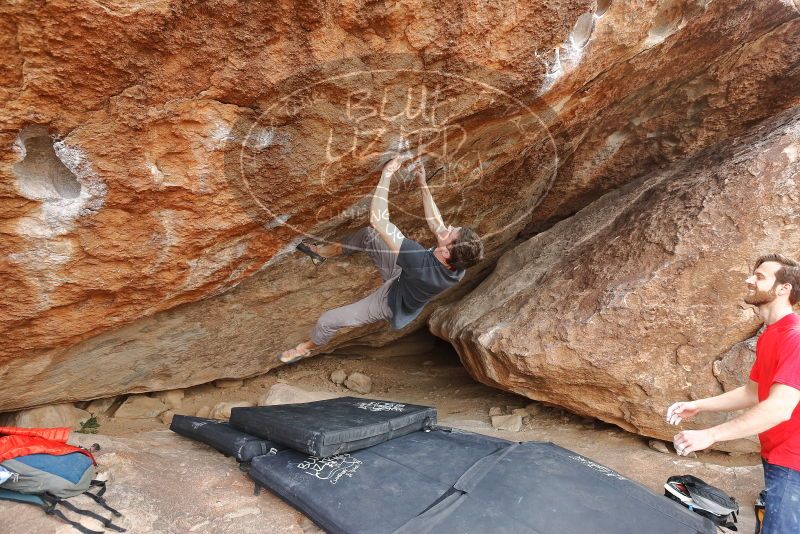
374	490
542	488
222	437
333	426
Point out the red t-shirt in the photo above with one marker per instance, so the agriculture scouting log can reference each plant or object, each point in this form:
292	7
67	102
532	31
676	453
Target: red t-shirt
778	362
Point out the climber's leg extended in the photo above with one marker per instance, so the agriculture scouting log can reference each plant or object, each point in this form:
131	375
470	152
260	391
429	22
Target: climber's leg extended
371	309
367	240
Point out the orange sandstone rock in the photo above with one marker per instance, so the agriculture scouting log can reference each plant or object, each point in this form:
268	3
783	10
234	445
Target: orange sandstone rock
161	159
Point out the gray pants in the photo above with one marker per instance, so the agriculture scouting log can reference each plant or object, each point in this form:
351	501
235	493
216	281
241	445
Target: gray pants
375	306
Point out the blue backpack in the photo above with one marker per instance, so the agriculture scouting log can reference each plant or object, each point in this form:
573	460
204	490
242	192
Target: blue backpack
47	480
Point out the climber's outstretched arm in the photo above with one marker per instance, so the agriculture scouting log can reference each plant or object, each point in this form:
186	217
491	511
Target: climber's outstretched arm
379	210
432	214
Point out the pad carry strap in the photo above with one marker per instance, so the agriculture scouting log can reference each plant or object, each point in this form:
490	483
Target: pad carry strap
106	522
50	509
53	501
72	508
75	524
99	484
98	498
102	502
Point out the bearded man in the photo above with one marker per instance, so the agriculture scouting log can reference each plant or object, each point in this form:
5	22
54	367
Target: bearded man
770	397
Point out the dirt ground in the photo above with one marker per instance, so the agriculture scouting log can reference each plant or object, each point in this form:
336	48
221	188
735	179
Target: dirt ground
165	483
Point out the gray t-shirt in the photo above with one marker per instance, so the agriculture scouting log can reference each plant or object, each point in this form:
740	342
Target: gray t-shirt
423	277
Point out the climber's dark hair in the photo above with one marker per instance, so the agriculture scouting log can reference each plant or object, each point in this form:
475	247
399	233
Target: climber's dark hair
466	250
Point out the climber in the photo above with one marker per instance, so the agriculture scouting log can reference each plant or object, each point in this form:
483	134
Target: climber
771	396
412	274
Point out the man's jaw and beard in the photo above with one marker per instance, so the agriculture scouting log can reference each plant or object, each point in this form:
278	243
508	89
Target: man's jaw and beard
757	297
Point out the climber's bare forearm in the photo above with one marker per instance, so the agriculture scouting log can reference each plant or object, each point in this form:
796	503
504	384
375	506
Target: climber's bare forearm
379	208
432	214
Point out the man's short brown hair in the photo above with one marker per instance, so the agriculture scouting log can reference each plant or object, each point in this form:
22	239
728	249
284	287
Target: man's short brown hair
789	273
466	250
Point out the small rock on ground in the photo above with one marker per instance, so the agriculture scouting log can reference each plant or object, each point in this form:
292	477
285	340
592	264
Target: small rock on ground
338	377
359	382
512	423
223	409
470	425
285	394
166	417
495	410
659	446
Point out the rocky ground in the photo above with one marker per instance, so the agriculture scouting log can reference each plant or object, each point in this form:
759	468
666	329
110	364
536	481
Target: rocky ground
164	483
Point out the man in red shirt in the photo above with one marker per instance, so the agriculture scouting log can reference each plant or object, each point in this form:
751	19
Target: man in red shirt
771	396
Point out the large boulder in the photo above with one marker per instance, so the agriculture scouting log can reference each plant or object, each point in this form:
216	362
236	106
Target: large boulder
282	393
100	406
164	158
635	301
172	398
140	407
57	415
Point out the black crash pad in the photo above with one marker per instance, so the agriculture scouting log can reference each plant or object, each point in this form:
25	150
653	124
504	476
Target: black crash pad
374	490
458	482
334	426
542	488
222	437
